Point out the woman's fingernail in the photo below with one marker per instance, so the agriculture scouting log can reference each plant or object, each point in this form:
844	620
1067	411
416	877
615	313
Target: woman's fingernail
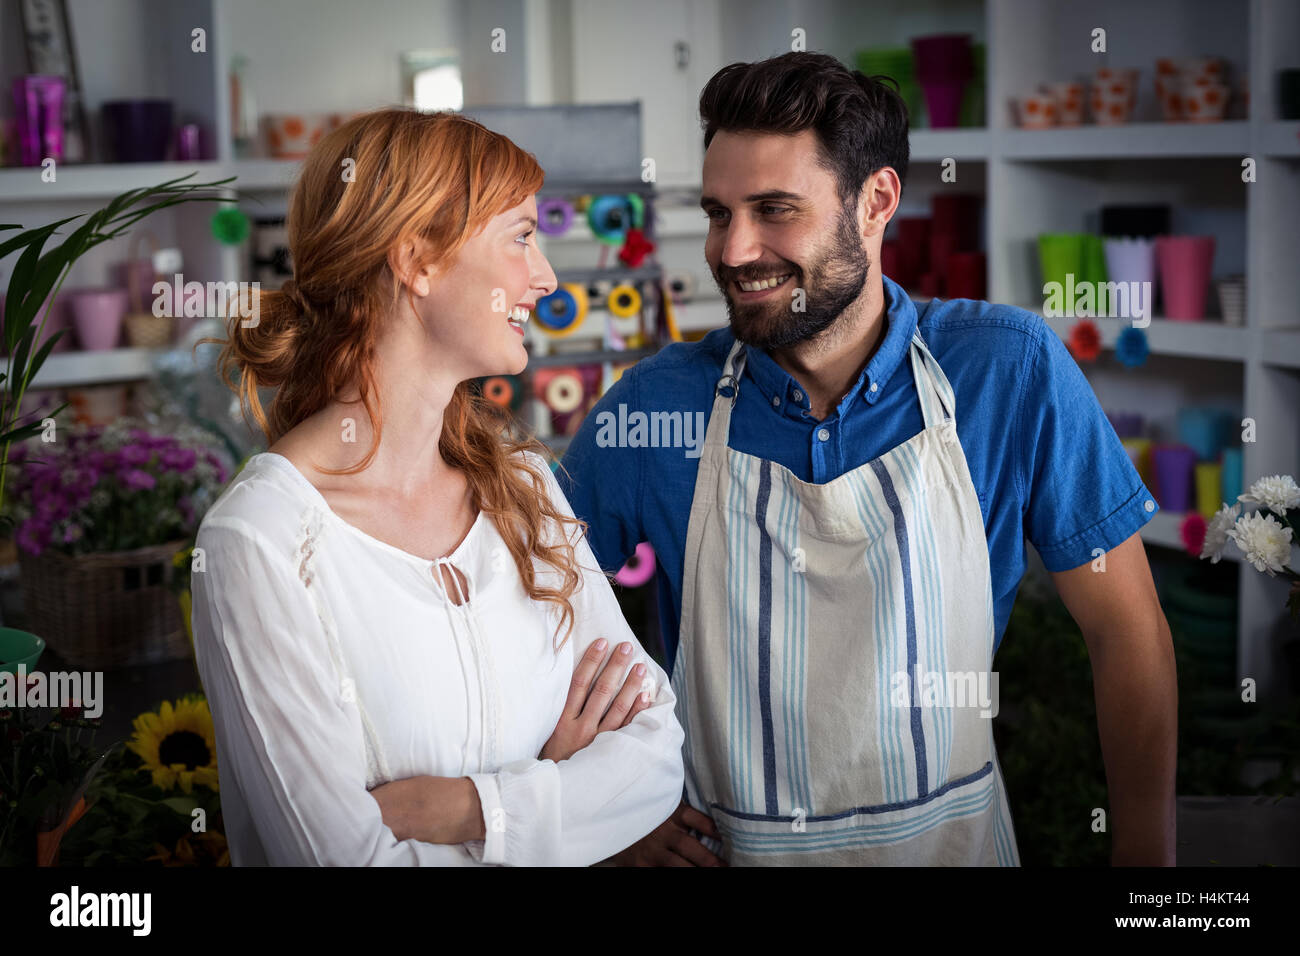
625	649
600	644
645	698
639	670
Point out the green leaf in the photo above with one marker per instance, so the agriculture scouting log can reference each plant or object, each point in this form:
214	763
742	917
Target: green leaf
26	238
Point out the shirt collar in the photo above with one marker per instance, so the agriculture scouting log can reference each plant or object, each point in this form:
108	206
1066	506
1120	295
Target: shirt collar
787	396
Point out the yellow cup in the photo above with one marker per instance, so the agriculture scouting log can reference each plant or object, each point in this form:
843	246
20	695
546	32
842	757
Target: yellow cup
1139	452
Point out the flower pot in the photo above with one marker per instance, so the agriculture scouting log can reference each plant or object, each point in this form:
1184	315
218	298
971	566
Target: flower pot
1173	472
943	101
97	315
106	610
1185	274
966	275
946	57
1139	453
1133	260
19	648
1060	254
1230	476
1209	488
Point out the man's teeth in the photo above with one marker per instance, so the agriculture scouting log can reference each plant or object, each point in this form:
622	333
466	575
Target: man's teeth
519	315
763	284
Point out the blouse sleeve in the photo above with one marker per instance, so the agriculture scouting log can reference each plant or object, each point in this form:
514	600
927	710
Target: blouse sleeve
612	792
289	730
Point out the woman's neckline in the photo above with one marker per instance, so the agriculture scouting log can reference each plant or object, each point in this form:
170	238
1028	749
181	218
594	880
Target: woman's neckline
289	468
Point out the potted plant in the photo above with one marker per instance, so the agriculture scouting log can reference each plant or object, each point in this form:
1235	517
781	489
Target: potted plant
37	277
101	515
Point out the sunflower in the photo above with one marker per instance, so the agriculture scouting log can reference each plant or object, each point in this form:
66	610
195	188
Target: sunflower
177	744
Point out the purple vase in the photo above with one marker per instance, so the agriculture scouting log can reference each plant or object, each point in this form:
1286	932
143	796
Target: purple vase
1173	467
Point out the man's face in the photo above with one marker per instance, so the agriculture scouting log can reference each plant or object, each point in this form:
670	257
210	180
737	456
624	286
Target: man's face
775	214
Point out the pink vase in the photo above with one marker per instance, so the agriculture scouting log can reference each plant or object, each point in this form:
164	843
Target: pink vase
1185	274
97	315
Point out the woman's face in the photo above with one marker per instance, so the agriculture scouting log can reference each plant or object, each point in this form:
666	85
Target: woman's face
473	310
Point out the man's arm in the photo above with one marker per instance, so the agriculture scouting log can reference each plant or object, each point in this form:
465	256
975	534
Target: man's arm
1137	698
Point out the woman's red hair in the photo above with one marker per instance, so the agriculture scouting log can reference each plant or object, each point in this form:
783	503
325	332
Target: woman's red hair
379	179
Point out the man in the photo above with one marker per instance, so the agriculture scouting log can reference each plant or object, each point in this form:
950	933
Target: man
857	514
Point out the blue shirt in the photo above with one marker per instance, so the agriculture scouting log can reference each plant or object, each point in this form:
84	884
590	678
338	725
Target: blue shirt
1043	457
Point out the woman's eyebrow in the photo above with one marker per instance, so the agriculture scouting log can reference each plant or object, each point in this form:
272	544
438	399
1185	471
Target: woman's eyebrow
525	220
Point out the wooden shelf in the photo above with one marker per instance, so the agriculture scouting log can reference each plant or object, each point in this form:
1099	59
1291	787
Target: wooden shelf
1128	141
71	369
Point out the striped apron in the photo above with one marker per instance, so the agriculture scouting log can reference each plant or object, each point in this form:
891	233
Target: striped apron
833	674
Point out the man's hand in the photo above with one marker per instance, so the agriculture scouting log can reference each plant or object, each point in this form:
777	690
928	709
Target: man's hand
672	843
592	706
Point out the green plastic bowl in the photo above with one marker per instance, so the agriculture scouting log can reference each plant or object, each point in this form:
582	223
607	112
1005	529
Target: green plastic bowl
19	648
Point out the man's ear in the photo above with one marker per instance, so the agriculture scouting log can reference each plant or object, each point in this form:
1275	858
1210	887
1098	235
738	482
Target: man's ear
879	200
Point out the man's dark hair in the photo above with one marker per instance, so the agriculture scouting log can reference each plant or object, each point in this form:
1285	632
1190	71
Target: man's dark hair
860	122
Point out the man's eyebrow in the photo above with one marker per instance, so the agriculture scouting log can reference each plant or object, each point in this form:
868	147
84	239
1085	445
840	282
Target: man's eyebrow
706	201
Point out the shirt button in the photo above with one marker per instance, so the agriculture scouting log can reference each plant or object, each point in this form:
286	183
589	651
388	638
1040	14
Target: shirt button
874	386
823	434
776	401
1150	505
797	395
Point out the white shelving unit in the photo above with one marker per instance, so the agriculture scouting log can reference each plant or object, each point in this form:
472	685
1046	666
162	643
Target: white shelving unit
1031	181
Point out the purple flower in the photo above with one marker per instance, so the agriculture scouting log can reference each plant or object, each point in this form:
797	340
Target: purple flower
134	455
72	534
137	479
178	459
33	536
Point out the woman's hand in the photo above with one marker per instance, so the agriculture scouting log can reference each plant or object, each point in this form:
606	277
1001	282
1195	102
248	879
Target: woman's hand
592	706
432	809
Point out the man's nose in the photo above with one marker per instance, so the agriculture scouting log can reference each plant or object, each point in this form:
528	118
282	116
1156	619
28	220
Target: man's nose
741	243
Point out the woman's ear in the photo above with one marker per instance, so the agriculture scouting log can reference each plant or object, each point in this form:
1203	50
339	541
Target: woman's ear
404	260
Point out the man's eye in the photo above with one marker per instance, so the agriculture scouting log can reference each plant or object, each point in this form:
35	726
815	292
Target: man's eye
778	209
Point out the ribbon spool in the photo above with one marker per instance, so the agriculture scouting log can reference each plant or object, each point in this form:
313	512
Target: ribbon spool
598	293
681	285
562	312
624	301
501	390
610	217
554	217
640	568
564	393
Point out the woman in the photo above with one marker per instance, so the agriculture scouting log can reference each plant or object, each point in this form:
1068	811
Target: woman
398	621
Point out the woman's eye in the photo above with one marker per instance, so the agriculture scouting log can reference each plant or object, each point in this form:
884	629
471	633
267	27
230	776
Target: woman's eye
524	236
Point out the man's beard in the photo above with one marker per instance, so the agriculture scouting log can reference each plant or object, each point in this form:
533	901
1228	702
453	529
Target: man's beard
834	282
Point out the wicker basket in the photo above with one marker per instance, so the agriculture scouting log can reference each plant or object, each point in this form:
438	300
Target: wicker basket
144	330
101	611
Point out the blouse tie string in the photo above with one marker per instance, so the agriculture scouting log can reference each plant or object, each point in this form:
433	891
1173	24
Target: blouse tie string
461	609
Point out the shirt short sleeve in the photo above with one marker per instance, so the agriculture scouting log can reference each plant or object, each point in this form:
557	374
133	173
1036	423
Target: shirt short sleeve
1080	489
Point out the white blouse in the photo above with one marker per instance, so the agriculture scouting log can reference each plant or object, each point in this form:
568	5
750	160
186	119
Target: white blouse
334	662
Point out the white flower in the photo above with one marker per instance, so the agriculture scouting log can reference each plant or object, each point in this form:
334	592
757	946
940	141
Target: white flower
1265	542
1278	494
1216	534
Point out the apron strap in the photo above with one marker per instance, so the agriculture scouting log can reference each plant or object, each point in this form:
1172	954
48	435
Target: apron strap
938	402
